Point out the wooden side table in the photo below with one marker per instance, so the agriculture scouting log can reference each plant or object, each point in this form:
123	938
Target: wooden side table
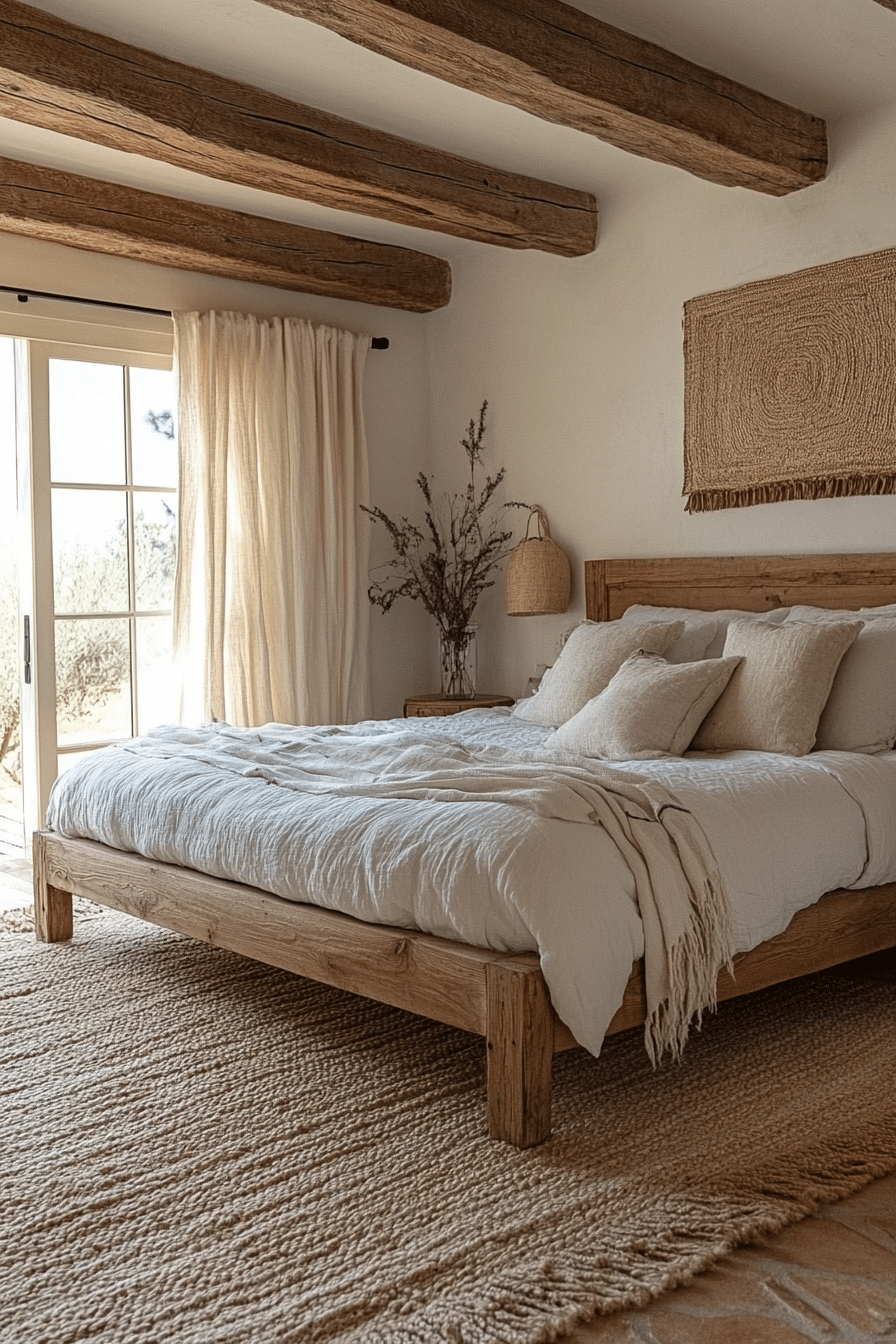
429	706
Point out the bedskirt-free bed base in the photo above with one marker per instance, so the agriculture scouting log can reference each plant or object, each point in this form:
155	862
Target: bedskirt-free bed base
500	997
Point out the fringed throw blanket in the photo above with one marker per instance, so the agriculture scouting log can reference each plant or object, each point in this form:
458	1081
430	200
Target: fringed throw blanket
683	906
789	387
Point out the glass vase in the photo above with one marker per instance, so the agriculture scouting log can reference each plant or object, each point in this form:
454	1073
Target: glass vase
457	660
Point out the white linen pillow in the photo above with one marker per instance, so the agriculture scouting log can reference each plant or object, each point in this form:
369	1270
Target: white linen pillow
860	714
651	708
774	699
704	631
589	660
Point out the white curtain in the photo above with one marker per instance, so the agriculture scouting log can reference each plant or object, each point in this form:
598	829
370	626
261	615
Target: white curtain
271	611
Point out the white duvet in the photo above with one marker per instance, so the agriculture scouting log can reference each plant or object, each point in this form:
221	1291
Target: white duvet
783	832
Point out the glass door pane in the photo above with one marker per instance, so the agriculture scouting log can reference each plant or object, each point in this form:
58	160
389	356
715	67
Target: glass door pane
90	552
155	693
93	680
87	422
153	436
12	831
155	547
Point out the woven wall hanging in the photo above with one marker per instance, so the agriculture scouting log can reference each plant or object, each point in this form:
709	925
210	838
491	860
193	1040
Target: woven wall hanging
790	387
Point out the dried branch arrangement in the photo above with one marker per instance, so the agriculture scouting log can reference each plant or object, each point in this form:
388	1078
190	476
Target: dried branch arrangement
449	562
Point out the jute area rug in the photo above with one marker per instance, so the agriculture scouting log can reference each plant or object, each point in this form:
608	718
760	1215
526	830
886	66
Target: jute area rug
200	1148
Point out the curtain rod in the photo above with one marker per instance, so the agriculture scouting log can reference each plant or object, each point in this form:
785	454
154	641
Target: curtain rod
23	295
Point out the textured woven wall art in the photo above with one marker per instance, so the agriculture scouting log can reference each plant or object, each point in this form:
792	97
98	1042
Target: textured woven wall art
790	387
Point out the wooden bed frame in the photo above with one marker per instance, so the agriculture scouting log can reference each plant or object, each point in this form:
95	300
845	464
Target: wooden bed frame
503	998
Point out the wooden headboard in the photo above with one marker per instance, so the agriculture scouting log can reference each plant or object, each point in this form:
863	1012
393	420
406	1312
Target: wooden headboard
748	582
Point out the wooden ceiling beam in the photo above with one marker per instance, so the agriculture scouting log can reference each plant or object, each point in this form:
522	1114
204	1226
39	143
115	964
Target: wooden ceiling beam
59	76
562	65
96	216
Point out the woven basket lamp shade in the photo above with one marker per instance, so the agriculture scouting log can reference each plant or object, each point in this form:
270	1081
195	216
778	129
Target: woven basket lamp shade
537	573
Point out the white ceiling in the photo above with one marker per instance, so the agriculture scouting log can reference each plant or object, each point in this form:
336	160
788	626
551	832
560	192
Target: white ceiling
834	58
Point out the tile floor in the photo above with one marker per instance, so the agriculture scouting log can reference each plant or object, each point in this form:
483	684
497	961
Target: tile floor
829	1279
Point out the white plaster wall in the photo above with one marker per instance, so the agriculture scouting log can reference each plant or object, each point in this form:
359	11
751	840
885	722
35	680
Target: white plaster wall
402	648
582	363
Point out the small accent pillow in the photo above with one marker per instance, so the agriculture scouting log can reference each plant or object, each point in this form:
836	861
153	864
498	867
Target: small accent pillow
589	660
774	699
860	714
704	631
650	709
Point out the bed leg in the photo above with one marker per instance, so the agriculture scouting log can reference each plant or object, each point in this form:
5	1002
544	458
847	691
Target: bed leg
520	1044
52	906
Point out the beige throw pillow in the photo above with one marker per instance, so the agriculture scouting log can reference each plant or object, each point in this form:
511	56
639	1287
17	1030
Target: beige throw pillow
774	699
651	708
887	613
704	631
587	664
860	714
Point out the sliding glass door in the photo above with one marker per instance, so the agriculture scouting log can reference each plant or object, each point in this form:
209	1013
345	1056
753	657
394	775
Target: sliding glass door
97	513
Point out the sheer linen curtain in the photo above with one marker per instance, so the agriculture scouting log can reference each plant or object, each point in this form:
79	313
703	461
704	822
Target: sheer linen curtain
271	615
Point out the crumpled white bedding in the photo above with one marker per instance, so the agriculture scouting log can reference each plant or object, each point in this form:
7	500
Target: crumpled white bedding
783	831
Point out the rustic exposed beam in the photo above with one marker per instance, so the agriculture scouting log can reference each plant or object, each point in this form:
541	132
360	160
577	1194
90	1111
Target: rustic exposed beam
887	4
565	66
56	75
104	217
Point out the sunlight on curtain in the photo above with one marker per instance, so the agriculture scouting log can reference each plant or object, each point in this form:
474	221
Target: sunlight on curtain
271	610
